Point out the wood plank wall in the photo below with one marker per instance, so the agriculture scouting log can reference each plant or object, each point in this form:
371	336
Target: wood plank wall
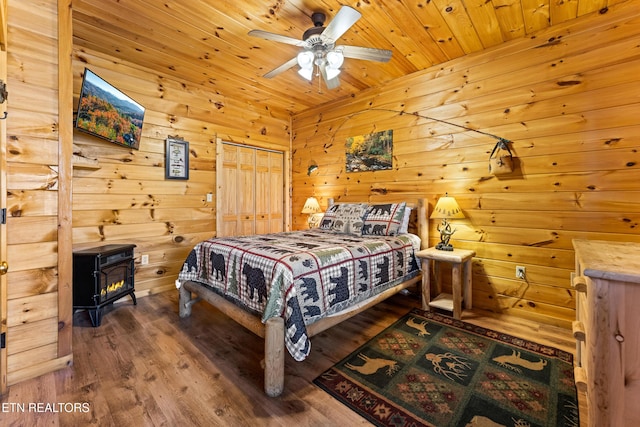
568	101
124	199
128	200
33	318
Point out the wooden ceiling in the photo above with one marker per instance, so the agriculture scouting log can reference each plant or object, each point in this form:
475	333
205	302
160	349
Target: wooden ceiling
205	42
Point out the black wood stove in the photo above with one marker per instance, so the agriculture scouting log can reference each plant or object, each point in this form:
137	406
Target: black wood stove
101	276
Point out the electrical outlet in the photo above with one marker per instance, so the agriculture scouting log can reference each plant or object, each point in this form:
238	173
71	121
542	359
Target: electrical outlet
144	259
520	272
209	197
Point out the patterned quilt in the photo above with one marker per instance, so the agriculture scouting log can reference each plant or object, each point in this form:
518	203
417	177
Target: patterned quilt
301	276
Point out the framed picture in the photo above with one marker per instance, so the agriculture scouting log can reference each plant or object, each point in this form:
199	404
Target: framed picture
176	159
372	152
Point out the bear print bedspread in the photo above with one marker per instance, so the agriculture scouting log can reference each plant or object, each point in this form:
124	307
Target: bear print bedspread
301	275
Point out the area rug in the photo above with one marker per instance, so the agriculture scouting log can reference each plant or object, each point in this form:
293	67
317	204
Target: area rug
431	370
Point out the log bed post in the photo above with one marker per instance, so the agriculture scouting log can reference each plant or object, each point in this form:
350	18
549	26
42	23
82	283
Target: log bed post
423	223
184	304
274	357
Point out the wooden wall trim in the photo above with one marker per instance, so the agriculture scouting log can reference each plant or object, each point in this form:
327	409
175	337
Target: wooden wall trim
3	196
65	176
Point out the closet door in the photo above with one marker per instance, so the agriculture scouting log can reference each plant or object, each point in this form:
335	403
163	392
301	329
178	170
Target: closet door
226	171
276	185
250	190
269	192
246	195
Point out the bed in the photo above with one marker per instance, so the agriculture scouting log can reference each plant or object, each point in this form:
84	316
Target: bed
287	287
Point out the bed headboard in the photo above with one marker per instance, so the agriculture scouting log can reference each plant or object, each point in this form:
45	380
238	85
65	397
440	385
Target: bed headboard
418	221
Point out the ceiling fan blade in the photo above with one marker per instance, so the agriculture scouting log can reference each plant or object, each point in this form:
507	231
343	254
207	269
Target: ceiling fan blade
344	19
331	83
276	37
366	53
284	67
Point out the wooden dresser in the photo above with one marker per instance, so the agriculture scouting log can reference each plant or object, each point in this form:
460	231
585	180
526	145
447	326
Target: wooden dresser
607	330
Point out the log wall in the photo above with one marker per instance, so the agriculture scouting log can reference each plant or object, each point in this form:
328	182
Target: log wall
112	194
38	326
125	198
567	99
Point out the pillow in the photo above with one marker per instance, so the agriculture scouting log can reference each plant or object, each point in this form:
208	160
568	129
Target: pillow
383	219
348	218
328	218
404	225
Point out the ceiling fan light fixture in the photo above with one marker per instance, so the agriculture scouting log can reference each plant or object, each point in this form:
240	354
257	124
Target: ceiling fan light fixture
305	59
335	59
307	73
332	73
320	55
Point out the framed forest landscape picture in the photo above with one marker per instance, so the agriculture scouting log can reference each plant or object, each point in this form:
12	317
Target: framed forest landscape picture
176	159
370	152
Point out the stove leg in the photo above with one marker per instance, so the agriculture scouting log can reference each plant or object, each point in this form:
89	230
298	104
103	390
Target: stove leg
96	316
133	297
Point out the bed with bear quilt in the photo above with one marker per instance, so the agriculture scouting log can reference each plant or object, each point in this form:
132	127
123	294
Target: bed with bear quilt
300	277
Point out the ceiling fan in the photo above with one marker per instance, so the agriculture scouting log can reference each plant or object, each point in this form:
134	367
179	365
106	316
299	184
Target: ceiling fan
320	53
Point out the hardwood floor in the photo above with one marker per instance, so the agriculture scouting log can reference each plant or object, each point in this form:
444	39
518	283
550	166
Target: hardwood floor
146	366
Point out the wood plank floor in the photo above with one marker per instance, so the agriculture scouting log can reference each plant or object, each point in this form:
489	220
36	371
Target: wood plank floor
144	366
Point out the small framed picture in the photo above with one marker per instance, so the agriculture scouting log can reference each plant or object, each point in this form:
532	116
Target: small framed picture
176	159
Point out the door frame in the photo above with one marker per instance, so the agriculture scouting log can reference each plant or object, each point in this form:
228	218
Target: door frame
3	198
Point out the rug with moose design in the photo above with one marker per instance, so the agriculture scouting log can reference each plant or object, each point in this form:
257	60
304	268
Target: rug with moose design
429	369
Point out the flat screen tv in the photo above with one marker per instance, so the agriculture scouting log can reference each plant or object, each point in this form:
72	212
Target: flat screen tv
107	113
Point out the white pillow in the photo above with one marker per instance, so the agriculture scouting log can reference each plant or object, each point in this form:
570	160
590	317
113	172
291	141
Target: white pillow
404	225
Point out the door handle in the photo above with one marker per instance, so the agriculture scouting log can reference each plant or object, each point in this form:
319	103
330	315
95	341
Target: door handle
4	267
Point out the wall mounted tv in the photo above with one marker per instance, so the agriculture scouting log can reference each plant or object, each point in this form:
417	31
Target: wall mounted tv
107	113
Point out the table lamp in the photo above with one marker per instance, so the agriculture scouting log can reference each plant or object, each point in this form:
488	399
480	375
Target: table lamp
311	207
447	208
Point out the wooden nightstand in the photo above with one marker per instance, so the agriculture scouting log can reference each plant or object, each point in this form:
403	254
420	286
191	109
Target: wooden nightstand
460	260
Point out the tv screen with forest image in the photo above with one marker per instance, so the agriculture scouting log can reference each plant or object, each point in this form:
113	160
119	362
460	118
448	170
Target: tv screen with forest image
108	113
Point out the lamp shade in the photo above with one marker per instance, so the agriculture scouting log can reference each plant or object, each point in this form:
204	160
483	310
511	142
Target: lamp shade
307	73
447	208
334	59
305	59
311	206
332	73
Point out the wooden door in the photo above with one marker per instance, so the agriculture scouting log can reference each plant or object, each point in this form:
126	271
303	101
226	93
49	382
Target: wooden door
250	191
263	192
276	188
3	202
269	192
235	192
227	209
246	195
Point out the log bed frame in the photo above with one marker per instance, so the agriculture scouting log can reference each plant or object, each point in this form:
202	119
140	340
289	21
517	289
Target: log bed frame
273	330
